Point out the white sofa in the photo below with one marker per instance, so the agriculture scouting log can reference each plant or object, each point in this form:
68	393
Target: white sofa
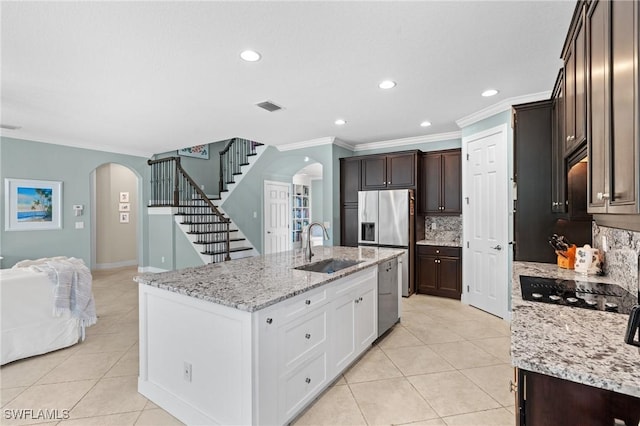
28	325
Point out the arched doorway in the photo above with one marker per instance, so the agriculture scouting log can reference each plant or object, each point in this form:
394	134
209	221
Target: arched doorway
115	211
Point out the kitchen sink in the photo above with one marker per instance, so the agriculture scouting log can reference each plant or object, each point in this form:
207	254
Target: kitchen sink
329	266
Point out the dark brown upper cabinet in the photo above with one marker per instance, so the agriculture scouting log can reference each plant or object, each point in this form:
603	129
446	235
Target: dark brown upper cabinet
441	183
575	84
613	115
389	171
558	163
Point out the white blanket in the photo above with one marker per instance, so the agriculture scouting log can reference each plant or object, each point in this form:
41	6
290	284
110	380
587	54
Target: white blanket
72	287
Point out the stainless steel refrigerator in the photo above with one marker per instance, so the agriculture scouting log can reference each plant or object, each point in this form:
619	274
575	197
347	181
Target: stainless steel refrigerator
385	219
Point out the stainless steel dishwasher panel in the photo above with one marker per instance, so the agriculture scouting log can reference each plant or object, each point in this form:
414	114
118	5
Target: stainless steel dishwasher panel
387	295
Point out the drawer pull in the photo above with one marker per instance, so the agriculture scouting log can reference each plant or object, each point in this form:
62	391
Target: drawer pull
307	380
437	251
269	320
307	302
357	301
360	299
307	336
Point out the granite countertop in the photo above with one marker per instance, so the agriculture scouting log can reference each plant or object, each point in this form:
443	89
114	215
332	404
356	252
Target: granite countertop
443	243
253	283
575	344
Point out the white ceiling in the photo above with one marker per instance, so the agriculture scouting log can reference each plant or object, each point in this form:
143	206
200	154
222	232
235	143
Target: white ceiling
148	77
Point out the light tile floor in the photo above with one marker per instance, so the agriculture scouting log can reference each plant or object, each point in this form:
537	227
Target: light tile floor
444	364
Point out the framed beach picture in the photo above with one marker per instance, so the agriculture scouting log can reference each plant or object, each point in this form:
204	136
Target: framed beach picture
198	151
32	204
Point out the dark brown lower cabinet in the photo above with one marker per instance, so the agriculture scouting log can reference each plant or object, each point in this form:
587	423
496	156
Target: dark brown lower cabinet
544	400
440	271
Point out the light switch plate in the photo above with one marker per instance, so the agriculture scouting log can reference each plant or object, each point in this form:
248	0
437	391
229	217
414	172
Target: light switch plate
79	225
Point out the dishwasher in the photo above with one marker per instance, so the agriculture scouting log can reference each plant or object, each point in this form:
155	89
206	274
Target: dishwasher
387	295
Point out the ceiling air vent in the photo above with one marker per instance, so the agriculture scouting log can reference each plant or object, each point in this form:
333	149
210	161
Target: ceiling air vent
9	127
269	106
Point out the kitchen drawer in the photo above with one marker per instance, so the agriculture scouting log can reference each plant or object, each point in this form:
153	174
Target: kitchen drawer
301	385
439	251
298	338
303	303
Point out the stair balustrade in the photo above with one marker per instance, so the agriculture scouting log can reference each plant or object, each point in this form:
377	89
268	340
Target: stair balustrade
171	186
235	155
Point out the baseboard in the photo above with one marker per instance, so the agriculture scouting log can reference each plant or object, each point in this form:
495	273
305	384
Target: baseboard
144	269
115	265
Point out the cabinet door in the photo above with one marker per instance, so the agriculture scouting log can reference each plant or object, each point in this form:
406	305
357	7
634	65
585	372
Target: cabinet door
349	180
401	171
575	90
427	274
451	197
374	172
558	172
344	338
431	183
624	103
449	284
349	226
366	318
598	114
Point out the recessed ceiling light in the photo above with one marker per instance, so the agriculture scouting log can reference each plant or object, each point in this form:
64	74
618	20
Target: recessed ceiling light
489	92
340	122
387	84
425	124
250	56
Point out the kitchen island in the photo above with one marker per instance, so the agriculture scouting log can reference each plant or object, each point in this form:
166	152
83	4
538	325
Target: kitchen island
576	346
254	341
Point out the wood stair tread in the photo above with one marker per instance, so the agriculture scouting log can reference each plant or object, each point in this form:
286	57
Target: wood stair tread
209	232
231	240
233	250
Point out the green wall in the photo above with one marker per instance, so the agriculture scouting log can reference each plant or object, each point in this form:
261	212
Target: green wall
25	159
317	197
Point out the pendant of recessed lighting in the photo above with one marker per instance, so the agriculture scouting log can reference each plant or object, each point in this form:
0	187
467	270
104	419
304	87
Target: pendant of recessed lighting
250	55
387	84
340	122
489	92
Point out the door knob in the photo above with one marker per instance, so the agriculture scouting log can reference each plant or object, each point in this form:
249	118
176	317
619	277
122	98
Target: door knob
498	247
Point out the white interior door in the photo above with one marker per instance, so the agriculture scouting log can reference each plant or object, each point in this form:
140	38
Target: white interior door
485	221
276	216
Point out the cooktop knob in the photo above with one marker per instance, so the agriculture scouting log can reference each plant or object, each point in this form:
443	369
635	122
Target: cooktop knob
536	295
611	307
591	302
555	298
572	300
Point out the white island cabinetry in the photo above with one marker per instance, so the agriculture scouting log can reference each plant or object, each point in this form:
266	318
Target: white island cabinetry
211	364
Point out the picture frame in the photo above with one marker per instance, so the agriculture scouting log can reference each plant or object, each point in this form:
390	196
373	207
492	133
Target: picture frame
124	197
124	217
124	207
196	151
32	205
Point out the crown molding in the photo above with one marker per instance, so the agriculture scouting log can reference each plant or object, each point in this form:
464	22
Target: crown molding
400	143
54	141
306	144
501	107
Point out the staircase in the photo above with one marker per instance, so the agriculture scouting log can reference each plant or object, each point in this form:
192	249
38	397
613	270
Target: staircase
214	236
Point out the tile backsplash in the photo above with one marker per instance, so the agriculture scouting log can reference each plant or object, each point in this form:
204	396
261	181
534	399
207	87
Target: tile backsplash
621	259
448	228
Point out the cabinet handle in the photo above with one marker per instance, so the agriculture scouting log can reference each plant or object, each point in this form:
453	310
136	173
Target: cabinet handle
269	320
603	196
307	380
307	336
357	301
307	302
360	298
437	251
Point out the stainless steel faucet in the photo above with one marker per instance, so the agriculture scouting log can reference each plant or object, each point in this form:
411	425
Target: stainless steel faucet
308	254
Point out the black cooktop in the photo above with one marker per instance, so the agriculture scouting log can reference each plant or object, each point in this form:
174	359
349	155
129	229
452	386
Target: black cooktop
579	294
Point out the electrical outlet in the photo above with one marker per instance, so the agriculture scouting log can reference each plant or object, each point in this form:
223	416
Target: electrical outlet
605	246
433	226
162	259
187	371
